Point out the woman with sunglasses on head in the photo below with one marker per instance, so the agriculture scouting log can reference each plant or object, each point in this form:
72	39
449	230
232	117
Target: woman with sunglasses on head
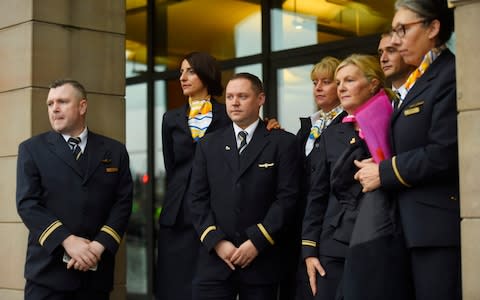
423	173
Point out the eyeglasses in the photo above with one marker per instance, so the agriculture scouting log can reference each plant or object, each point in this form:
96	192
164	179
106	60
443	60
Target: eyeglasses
401	29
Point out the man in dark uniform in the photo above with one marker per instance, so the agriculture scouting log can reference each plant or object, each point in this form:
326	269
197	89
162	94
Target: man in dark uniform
74	194
243	190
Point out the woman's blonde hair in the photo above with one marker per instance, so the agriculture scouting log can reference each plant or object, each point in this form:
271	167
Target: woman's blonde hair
370	67
326	66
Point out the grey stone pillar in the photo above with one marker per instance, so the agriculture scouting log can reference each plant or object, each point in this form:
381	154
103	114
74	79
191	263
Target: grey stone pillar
467	24
42	40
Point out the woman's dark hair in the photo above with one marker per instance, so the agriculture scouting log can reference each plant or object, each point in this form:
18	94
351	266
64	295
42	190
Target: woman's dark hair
432	10
208	70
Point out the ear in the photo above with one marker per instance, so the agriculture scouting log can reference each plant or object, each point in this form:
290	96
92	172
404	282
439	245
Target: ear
261	99
433	29
374	83
83	106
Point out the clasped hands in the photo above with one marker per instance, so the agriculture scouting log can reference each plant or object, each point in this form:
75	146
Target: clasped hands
233	256
85	254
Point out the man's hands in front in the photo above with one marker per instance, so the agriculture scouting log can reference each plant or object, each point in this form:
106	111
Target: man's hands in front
233	256
85	254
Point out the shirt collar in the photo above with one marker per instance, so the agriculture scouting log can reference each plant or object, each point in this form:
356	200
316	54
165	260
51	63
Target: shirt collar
83	138
250	130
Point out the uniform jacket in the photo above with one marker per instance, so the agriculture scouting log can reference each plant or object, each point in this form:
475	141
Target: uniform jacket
424	169
57	198
178	153
240	198
332	201
306	161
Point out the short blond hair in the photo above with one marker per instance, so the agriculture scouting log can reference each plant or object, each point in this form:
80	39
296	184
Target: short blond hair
326	66
369	65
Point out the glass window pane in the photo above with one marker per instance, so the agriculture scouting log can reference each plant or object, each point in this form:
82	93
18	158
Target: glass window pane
136	142
297	23
136	37
224	28
295	96
160	109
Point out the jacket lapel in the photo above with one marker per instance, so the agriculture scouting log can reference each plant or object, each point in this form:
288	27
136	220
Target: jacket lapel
60	148
229	145
421	84
96	152
254	148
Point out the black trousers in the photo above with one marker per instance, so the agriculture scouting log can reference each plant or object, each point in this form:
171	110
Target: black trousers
436	273
232	287
35	291
328	286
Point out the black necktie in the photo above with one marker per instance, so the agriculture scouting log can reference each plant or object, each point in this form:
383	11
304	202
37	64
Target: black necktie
73	143
242	135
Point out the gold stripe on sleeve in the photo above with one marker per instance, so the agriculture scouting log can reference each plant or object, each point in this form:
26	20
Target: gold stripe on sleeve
266	234
47	232
207	231
110	231
309	243
397	173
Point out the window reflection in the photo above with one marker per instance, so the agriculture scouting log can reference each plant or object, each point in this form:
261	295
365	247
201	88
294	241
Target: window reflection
297	23
294	96
136	142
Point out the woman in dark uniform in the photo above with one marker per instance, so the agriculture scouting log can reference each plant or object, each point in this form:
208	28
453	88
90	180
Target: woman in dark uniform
332	202
178	242
330	112
423	173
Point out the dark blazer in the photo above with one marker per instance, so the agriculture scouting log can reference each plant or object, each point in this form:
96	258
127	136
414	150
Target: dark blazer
56	198
330	215
178	153
424	170
306	161
240	198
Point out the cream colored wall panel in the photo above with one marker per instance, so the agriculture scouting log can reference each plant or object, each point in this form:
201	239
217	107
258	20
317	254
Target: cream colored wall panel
120	265
106	115
8	171
15	12
40	122
16	117
16	58
105	15
469	148
119	292
94	58
100	61
468	47
12	252
11	294
51	53
470	259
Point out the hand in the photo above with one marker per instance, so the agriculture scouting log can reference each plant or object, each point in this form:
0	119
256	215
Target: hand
97	249
244	254
314	266
368	175
272	123
78	249
225	250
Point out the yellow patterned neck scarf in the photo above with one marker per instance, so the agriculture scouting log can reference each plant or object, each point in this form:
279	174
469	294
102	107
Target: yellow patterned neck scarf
199	107
428	59
324	120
